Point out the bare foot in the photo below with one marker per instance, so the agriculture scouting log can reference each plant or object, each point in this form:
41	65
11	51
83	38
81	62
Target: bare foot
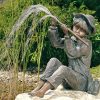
40	84
34	91
37	93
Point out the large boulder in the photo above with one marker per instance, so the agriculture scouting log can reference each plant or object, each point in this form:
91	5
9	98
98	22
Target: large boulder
60	94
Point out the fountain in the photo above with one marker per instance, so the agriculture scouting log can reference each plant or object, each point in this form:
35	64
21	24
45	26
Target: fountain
34	9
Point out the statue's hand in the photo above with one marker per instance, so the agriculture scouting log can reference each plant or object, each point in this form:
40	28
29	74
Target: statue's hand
52	28
64	28
53	22
53	25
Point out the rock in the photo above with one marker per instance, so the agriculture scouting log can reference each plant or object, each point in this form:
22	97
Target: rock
60	94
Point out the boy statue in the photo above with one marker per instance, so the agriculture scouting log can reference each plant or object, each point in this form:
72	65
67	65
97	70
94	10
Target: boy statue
76	75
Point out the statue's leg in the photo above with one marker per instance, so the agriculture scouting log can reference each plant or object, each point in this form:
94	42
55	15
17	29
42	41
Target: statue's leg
74	79
52	65
66	85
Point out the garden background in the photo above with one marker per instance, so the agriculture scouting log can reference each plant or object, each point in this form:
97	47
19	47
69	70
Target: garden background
39	49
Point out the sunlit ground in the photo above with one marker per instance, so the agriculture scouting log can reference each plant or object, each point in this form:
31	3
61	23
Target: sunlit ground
10	88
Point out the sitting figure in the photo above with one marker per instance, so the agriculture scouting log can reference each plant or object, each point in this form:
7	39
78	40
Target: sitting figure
76	75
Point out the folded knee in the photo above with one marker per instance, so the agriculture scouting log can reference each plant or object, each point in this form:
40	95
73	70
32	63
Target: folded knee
53	59
63	68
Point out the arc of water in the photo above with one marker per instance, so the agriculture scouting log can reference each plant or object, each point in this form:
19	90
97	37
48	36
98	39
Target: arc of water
46	16
32	9
35	9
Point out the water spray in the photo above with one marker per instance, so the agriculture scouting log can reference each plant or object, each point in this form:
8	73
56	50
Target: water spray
35	9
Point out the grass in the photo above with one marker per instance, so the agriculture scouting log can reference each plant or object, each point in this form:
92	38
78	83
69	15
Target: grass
95	71
6	95
9	89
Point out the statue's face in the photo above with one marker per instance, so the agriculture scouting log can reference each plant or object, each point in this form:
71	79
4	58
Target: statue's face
79	31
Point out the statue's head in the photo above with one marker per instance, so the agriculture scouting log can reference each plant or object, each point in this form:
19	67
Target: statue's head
84	21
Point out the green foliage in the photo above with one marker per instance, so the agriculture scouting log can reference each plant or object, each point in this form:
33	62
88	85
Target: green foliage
40	49
95	71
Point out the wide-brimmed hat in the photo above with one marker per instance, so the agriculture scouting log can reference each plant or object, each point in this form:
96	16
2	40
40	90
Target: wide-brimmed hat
87	22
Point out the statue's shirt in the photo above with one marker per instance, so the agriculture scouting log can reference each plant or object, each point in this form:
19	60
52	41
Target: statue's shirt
79	54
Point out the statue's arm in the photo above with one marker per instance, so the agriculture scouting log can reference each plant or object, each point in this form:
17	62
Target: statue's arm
55	40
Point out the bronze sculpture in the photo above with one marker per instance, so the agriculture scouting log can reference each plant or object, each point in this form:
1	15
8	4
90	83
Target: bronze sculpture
76	74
